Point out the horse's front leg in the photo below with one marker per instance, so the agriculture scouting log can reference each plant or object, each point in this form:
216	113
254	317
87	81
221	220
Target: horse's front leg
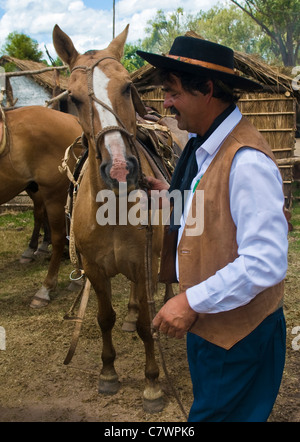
153	400
129	324
108	382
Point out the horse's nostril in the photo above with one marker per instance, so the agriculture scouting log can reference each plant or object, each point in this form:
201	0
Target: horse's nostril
132	165
120	172
104	170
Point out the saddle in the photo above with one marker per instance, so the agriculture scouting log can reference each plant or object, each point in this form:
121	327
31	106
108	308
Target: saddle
2	130
157	140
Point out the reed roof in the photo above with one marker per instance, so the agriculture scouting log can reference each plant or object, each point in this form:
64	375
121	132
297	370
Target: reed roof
45	79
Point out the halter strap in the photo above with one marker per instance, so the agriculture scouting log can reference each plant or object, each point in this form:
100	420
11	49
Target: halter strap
91	68
102	132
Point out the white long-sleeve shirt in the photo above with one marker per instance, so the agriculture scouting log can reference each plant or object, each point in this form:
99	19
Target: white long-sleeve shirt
256	203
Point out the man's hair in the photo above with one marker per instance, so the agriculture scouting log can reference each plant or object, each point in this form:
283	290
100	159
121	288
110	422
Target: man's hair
192	83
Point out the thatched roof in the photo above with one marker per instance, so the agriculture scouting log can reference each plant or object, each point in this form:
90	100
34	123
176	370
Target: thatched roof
273	80
250	66
45	79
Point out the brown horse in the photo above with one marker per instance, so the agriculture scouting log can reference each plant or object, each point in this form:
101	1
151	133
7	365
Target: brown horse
34	250
35	142
105	98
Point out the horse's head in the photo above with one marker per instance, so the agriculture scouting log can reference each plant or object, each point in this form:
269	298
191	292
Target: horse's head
103	93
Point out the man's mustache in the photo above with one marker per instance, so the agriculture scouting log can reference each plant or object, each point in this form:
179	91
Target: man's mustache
174	110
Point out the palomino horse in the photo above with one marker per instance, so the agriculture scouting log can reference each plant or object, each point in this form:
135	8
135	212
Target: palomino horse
35	142
105	98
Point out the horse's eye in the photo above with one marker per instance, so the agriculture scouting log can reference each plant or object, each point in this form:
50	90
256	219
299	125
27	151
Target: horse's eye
74	100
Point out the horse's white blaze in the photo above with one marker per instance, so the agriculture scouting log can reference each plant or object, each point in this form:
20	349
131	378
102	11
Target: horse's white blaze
113	140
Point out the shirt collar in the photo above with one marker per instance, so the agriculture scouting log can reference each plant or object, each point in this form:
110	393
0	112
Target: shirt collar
223	130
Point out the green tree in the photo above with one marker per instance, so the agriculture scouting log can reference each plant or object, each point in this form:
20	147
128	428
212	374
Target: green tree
231	27
280	21
225	25
131	61
163	29
22	46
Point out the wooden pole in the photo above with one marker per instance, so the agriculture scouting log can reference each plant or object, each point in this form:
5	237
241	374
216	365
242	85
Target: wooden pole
114	17
39	71
54	99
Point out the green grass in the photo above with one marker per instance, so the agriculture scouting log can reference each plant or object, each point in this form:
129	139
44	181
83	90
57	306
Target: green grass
13	220
15	233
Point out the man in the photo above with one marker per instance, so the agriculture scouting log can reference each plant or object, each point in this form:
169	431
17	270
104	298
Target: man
231	276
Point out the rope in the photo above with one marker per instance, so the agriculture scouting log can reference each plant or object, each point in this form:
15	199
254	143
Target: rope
152	312
64	168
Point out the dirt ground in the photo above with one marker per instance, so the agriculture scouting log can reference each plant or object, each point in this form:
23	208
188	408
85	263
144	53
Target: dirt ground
35	384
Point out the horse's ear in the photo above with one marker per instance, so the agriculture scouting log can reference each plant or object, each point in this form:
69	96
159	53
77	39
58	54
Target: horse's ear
118	43
64	46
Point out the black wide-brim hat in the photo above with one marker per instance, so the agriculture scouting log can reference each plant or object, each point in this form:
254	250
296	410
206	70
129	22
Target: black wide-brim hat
202	57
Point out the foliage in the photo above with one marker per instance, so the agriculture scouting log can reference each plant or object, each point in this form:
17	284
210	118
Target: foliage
271	30
162	30
279	20
130	59
10	67
22	46
231	27
225	25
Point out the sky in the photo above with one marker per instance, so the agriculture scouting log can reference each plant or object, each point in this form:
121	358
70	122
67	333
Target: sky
89	23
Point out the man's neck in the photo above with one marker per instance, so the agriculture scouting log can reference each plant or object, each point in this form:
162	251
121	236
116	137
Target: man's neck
215	109
229	108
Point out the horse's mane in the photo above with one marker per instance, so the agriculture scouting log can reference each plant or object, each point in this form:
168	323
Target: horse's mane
91	52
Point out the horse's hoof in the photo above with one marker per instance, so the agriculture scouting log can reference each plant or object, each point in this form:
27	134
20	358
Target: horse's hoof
38	302
153	406
129	326
43	251
41	254
108	387
26	260
27	256
74	286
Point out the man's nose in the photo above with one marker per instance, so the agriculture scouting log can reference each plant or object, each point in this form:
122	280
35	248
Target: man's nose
168	102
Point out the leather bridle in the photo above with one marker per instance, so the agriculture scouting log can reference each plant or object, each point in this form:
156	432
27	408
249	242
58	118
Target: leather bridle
92	97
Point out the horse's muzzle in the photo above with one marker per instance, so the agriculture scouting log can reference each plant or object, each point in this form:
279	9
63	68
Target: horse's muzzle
114	173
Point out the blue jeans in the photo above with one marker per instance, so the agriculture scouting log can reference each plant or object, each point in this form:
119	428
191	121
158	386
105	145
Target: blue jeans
240	384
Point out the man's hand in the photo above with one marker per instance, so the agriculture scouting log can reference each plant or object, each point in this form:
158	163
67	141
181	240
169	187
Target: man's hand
156	184
156	200
176	317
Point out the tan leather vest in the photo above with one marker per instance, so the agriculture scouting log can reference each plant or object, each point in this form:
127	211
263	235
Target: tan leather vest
200	257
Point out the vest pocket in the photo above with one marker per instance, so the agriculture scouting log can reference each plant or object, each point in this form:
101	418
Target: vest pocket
184	252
